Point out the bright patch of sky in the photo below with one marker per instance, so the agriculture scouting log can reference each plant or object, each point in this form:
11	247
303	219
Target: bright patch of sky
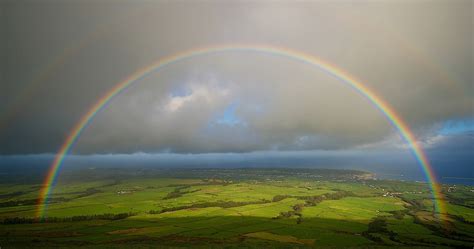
229	117
180	91
457	126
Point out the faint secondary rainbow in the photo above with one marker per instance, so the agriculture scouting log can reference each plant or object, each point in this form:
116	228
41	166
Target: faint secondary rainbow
23	98
328	68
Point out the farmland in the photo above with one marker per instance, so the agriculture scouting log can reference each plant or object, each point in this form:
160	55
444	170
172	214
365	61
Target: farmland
253	208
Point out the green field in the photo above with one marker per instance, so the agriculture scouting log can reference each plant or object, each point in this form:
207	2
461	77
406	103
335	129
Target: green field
234	208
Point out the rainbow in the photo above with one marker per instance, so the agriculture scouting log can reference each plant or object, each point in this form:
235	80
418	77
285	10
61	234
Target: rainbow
395	119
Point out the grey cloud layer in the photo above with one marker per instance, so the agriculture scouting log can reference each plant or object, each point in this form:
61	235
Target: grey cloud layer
417	56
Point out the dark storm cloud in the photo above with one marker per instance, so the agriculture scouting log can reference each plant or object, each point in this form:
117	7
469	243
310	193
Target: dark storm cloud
417	56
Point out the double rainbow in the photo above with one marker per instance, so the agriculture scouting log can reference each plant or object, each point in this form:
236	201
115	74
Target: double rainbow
330	69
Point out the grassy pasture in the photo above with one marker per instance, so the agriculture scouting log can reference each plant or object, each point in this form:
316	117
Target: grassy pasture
240	213
355	208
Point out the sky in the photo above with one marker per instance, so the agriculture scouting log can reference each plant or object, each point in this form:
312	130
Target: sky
59	58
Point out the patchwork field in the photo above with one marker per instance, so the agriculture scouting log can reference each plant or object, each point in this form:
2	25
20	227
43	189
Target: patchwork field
264	209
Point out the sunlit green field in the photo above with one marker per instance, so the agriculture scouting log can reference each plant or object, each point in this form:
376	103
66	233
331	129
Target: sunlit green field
262	212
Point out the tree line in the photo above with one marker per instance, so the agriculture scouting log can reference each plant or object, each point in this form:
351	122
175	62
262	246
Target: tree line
309	201
27	220
177	192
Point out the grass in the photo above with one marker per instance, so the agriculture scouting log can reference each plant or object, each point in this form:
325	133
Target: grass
465	212
252	221
279	238
355	208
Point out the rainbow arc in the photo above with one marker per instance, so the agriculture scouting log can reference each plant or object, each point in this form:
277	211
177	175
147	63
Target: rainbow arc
344	77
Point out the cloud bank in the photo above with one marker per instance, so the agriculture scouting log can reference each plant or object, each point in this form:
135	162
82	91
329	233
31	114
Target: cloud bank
417	56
